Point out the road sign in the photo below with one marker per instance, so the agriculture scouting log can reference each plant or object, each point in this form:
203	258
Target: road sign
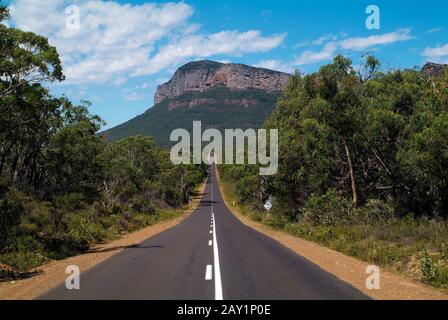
268	205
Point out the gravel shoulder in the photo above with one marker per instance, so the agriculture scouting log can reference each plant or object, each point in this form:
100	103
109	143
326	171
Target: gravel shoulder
53	274
348	269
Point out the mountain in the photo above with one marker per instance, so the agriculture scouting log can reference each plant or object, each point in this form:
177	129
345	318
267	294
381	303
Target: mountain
431	69
222	96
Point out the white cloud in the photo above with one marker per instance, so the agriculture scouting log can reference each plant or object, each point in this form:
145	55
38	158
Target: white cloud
275	65
309	57
116	40
134	96
320	41
433	30
332	45
436	51
364	43
437	54
203	46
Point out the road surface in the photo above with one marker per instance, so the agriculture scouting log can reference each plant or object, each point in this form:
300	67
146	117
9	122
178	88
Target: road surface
210	255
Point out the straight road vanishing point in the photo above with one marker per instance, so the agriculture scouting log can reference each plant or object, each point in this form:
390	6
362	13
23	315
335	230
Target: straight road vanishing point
210	255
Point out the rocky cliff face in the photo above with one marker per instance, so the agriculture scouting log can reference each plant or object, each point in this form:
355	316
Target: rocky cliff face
433	69
242	102
201	75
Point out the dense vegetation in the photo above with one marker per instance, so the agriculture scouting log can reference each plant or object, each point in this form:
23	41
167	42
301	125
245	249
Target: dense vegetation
363	166
61	187
159	121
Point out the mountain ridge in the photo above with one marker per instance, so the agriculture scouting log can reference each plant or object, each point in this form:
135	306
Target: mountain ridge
199	76
220	95
431	69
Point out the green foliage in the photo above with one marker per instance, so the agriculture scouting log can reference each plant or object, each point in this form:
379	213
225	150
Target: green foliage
327	209
429	268
371	136
444	252
425	157
138	172
4	13
25	58
363	166
62	187
377	211
12	206
27	254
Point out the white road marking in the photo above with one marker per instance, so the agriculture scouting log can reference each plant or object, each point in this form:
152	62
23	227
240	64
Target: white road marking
218	284
212	193
214	242
208	272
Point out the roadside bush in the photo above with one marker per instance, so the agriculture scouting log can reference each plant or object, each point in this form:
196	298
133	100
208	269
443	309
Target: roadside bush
274	220
26	254
328	209
35	218
12	207
444	252
434	271
376	211
428	267
142	205
84	227
247	189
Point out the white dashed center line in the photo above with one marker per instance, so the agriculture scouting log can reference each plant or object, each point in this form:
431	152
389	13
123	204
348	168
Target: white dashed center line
217	270
208	272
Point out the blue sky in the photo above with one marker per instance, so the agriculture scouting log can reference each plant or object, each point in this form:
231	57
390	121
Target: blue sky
124	48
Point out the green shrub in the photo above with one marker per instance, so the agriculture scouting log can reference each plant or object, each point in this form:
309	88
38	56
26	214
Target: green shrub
82	229
442	280
12	208
141	205
388	254
327	209
36	218
376	211
274	220
247	189
444	252
428	267
28	253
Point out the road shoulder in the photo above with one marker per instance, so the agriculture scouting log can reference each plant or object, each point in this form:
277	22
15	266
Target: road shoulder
53	274
345	268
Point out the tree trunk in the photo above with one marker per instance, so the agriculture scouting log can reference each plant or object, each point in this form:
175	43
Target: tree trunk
352	175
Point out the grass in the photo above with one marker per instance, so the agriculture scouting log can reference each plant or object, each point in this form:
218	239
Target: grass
415	248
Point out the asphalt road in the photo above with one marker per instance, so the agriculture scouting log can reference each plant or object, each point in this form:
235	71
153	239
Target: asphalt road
210	255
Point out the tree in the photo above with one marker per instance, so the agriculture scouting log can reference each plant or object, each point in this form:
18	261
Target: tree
336	110
25	58
130	165
426	158
73	154
4	13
